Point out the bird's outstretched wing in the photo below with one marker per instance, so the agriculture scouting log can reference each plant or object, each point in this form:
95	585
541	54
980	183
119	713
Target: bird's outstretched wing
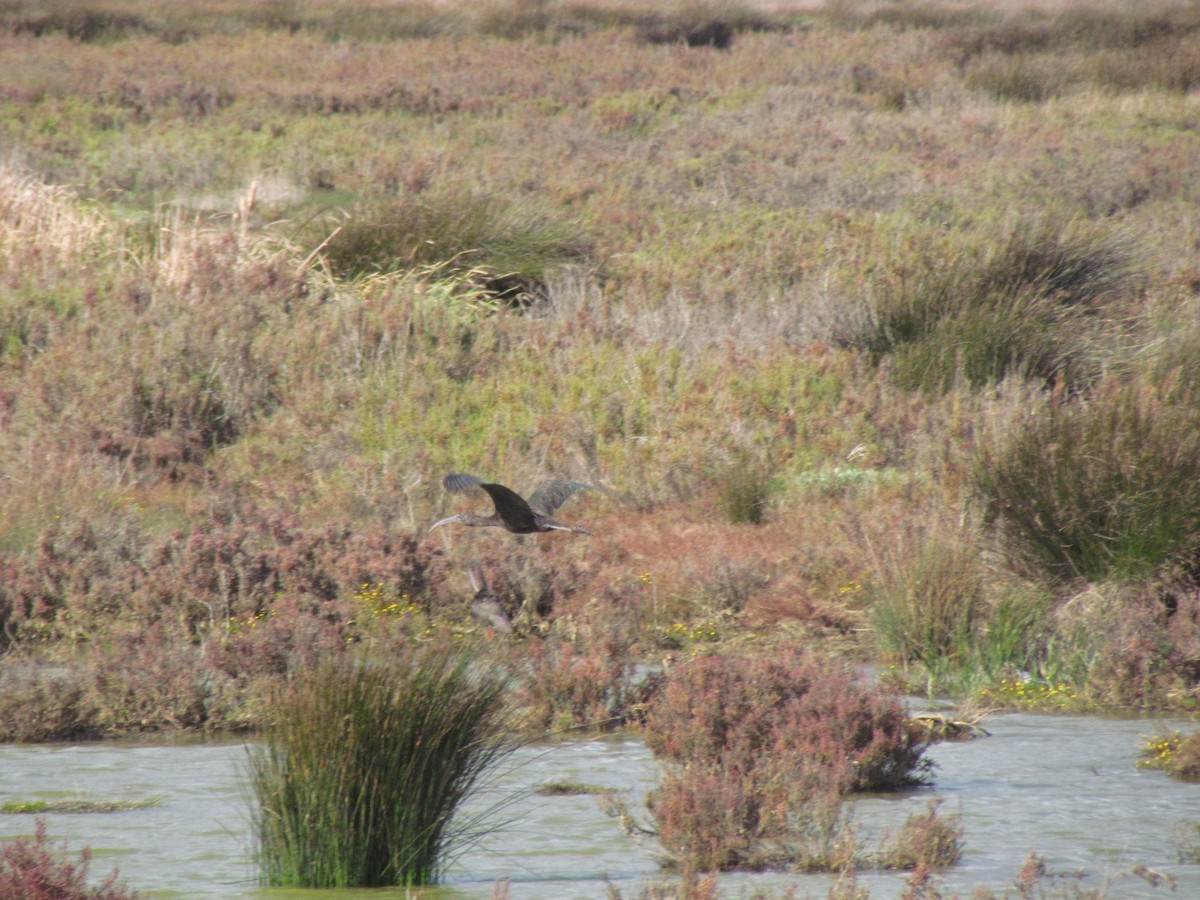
550	495
458	483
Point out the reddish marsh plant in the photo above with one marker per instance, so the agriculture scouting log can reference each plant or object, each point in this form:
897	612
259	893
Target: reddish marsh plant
31	868
760	752
563	687
925	841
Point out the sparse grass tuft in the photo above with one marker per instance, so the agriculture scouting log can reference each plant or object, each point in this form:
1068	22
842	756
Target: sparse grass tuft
926	840
746	492
1187	841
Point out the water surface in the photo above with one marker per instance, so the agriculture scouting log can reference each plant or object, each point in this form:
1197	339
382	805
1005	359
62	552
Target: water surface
1065	787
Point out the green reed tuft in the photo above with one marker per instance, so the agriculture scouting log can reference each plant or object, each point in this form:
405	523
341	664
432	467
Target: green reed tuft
1025	303
1101	488
360	775
519	243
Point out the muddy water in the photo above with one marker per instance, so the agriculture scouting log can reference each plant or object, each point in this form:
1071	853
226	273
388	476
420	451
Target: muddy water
1066	787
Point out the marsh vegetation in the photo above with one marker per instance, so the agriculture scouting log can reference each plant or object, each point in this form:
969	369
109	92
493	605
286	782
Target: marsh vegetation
878	321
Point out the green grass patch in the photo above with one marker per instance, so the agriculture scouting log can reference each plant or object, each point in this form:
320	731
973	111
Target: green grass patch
510	247
569	788
76	806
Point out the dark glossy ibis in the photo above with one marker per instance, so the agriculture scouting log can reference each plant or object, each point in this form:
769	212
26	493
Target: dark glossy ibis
512	511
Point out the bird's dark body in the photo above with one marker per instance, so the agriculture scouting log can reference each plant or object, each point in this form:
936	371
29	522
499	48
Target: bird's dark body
512	511
517	515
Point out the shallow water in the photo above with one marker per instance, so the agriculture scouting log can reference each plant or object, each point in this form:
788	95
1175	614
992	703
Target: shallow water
1065	787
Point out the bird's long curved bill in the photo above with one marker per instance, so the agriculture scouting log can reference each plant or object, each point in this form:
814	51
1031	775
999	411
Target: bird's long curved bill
450	520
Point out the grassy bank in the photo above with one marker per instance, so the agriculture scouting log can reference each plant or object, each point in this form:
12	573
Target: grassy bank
878	323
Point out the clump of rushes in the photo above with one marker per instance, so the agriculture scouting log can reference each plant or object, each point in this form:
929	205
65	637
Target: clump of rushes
510	248
758	754
746	491
1102	487
927	604
360	774
977	311
32	868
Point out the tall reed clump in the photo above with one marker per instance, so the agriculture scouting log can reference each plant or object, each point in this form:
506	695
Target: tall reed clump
928	604
1101	488
745	491
1025	302
938	607
759	753
360	775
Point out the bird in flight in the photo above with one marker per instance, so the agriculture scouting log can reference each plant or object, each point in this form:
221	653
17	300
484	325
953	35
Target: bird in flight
512	511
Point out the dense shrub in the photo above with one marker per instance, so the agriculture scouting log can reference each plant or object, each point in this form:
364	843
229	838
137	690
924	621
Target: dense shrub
44	705
1187	759
226	570
118	631
35	869
84	23
760	751
560	687
177	372
1134	648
